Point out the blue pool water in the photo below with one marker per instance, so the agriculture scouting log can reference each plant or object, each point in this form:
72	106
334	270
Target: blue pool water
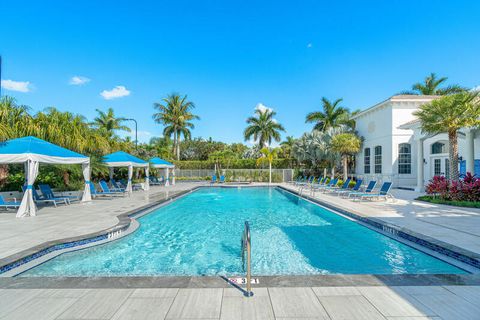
200	233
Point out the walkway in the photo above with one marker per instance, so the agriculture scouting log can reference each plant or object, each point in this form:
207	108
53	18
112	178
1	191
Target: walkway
368	303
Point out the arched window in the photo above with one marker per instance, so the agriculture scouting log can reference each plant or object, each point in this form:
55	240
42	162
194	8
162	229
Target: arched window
439	147
378	159
366	160
404	158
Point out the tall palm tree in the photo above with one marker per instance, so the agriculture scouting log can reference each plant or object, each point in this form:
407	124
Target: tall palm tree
15	121
176	116
108	122
263	128
450	114
268	155
431	86
332	116
346	144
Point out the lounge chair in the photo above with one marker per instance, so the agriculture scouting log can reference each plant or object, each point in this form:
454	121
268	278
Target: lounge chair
9	204
106	189
43	199
300	181
371	185
306	183
382	193
96	193
49	194
116	187
356	187
344	186
214	179
154	181
320	182
222	179
330	184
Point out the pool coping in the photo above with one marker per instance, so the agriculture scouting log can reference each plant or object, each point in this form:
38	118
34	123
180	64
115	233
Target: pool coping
125	221
465	256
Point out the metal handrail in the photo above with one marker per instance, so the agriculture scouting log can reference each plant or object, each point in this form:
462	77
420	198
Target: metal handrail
247	250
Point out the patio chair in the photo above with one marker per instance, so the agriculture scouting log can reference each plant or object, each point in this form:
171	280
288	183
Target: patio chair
384	192
116	187
105	189
222	179
371	185
9	204
214	179
49	194
42	199
300	181
308	182
154	181
344	186
96	193
331	183
356	187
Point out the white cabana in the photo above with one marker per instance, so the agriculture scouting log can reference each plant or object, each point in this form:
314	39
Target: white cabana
32	151
123	159
158	163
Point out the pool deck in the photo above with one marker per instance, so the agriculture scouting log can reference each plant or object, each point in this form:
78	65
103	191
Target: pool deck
335	297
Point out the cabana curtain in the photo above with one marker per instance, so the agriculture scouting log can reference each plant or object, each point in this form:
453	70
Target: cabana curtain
87	196
28	207
159	164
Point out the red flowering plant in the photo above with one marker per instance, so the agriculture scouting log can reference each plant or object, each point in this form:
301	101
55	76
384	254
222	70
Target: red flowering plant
467	189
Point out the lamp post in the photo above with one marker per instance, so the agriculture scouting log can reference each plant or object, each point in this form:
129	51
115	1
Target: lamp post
136	132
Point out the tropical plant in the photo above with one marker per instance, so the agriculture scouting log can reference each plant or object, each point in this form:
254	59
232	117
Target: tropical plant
346	144
332	116
449	114
108	123
176	116
431	86
268	155
263	128
221	157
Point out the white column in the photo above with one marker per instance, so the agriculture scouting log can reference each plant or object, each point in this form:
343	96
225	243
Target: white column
130	176
470	153
173	176
167	182
147	179
420	167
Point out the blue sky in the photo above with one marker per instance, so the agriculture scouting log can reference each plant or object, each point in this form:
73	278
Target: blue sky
228	56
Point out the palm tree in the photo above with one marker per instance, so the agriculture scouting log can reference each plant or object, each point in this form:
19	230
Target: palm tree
268	155
15	121
450	113
346	144
431	86
332	116
175	114
287	146
263	128
108	122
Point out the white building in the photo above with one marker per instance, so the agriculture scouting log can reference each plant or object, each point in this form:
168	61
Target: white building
395	149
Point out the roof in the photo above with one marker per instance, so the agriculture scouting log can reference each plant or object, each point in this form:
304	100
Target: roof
123	159
410	124
35	149
160	163
396	98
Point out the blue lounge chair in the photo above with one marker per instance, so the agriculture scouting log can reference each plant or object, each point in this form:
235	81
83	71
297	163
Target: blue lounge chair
384	192
371	185
320	182
48	193
308	182
300	181
214	179
43	199
356	187
222	179
332	183
344	186
154	181
96	193
9	204
106	189
116	187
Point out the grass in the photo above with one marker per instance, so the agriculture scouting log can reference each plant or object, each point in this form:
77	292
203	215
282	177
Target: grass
431	199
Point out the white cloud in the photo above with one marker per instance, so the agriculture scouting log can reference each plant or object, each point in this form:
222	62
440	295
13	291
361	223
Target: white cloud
117	92
78	80
20	86
262	108
309	45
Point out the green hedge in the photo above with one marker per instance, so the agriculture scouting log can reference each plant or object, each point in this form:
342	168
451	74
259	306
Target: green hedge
232	164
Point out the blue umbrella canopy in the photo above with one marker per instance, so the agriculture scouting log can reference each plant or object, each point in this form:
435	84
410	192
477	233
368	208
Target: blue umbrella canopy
160	163
35	149
122	159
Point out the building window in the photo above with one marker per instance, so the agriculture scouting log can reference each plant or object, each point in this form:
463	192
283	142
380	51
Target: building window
437	167
404	158
439	147
366	160
378	159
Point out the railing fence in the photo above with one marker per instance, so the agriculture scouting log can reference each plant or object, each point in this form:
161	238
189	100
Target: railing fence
238	175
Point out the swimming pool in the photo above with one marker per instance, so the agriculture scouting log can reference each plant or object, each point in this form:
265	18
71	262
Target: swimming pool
199	234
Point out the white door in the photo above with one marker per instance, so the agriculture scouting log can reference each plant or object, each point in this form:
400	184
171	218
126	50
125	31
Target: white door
441	167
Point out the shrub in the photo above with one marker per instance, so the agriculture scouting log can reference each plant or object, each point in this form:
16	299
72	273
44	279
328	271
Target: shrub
467	189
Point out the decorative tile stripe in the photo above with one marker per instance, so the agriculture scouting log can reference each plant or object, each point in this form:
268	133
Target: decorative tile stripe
472	261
